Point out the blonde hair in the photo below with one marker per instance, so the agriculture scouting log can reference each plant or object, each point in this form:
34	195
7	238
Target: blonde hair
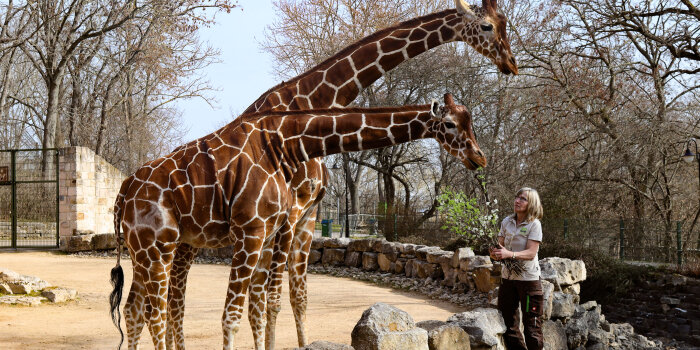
534	205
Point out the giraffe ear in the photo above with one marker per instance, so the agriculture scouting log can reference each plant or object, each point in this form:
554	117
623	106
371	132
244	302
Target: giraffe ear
434	108
463	6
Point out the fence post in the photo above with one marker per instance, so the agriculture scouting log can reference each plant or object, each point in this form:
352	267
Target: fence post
13	205
622	239
566	228
679	243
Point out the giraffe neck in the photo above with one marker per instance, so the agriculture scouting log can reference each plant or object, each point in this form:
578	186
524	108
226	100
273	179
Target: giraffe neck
298	137
337	81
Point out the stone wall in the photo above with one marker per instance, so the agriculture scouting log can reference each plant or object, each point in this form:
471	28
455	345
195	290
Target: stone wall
88	186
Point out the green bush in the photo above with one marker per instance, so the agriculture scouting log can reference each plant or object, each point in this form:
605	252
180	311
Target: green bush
475	225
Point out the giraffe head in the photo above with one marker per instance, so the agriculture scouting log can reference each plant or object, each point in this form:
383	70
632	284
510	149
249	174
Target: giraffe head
485	30
453	130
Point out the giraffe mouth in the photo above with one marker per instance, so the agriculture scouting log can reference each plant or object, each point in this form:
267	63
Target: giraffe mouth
474	164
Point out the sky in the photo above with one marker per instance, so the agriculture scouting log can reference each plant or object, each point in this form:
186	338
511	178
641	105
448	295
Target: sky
244	71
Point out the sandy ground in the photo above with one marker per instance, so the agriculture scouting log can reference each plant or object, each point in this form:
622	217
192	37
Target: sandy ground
335	306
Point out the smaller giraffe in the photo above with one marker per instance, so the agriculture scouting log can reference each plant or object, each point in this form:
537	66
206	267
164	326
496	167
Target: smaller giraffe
232	187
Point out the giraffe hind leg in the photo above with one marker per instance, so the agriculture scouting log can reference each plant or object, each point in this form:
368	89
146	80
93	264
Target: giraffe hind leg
134	310
297	266
184	256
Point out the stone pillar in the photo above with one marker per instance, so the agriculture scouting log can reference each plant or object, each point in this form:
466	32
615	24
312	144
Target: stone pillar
88	186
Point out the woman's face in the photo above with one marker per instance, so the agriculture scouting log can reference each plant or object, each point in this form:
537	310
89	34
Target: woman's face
520	205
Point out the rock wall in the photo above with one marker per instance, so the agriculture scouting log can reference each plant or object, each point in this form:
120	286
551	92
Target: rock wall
667	307
88	186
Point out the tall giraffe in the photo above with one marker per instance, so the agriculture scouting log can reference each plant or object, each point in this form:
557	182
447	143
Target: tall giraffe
232	187
336	82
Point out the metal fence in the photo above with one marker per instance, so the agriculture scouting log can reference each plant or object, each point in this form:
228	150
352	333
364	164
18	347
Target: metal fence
29	198
636	240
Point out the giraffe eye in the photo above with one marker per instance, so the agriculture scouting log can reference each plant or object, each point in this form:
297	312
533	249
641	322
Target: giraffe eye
450	125
487	27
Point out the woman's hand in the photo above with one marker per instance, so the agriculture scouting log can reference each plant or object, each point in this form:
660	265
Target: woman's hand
501	253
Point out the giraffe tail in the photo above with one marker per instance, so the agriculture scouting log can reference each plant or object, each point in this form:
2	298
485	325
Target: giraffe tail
117	273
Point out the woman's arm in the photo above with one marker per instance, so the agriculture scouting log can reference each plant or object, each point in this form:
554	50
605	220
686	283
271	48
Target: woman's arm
528	254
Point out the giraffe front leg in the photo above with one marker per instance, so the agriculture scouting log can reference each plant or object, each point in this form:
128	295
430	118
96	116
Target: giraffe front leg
247	250
184	256
257	294
297	265
283	242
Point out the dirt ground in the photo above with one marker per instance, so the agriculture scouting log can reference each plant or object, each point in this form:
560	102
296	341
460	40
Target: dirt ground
335	306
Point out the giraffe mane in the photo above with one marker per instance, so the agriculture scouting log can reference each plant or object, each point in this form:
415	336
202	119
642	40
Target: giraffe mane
332	111
371	38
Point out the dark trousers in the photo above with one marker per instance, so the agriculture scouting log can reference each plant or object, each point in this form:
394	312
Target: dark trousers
528	296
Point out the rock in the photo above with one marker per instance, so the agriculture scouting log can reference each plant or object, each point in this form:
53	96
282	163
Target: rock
438	256
317	243
383	262
340	243
449	276
353	259
369	261
589	305
471	262
399	265
408	267
548	294
670	301
384	327
362	245
77	243
21	284
425	269
21	300
422	253
484	326
378	245
483	279
5	288
554	335
333	256
561	271
574	289
104	241
576	332
562	305
448	337
429	325
59	295
408	250
314	256
325	345
460	255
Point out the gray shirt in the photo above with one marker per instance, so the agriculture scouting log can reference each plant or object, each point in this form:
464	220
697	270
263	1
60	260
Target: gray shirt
515	239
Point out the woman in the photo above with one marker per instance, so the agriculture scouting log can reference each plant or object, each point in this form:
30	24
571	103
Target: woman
519	239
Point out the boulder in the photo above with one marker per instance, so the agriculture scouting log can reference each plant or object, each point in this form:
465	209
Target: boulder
422	253
460	255
325	345
59	295
408	250
378	245
384	327
448	337
548	295
425	269
317	243
483	279
77	243
408	267
314	256
21	284
470	263
574	289
361	245
369	261
449	276
484	326
104	241
563	305
561	271
439	256
5	288
337	242
383	262
429	325
399	265
333	256
353	259
554	335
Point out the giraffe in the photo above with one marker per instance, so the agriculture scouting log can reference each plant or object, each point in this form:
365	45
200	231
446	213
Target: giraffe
232	187
481	27
350	70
